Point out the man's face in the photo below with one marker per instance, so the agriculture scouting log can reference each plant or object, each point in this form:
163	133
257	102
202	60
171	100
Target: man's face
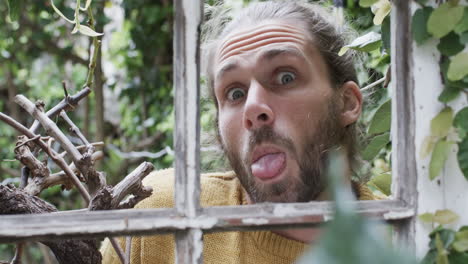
277	117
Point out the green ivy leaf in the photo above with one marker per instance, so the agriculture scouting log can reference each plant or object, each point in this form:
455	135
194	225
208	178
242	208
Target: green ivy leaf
445	217
427	218
450	45
438	158
441	123
461	241
444	19
386	34
463	24
450	93
427	146
383	183
441	252
382	119
458	258
460	121
447	236
13	7
368	42
462	156
367	3
430	257
419	24
464	37
458	67
375	145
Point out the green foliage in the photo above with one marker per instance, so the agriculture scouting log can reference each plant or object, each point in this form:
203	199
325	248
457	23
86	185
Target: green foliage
450	15
439	156
418	25
450	44
382	119
367	3
458	67
383	183
375	145
462	156
14	7
368	42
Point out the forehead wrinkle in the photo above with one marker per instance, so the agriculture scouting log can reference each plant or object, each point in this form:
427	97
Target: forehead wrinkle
262	43
258	38
246	34
270	54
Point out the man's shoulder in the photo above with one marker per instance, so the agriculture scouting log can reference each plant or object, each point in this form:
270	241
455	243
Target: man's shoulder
217	188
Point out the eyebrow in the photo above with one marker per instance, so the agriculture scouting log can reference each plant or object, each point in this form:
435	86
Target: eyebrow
267	55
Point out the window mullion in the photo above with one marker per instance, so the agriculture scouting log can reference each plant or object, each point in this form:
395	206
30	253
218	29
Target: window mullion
188	14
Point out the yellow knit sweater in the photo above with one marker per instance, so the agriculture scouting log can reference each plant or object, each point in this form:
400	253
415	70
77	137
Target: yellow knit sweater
217	189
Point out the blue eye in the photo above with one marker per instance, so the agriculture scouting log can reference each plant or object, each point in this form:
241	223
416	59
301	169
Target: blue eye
284	78
235	94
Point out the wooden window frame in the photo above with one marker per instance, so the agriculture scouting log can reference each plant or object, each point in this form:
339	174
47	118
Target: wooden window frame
187	220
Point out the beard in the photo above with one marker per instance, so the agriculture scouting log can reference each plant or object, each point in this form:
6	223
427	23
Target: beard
312	161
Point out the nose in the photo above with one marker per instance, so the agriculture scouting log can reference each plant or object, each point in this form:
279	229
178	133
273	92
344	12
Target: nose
257	108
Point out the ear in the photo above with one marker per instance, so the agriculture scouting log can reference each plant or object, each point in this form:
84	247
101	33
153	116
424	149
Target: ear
352	103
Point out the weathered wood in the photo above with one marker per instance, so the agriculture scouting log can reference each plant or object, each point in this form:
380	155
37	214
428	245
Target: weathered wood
188	16
83	224
16	201
403	127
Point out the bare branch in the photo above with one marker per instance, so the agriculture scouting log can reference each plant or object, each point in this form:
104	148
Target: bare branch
58	160
131	184
18	252
118	249
128	249
95	180
69	103
73	128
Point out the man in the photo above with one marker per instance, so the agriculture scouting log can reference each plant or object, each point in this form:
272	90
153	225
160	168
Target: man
284	98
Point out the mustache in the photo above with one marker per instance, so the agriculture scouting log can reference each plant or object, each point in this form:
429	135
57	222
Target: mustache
266	134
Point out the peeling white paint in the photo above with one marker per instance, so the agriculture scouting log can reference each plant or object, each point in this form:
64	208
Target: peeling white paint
255	221
399	215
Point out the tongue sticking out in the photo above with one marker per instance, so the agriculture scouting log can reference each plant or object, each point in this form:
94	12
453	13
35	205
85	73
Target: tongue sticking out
269	165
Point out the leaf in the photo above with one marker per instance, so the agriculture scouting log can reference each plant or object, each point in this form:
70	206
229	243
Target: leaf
383	183
383	9
386	35
375	145
463	24
444	19
85	30
60	13
450	45
427	146
367	3
368	42
441	252
13	9
464	37
458	258
438	158
382	119
460	121
419	24
447	236
449	93
461	241
445	217
441	123
458	67
427	217
462	156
